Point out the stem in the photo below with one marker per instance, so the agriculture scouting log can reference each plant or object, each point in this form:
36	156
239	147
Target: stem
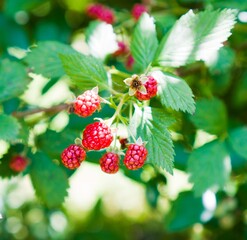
118	110
119	73
51	110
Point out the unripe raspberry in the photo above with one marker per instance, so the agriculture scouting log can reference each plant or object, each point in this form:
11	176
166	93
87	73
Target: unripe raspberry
101	12
72	156
87	103
97	136
109	162
135	156
137	10
18	163
151	86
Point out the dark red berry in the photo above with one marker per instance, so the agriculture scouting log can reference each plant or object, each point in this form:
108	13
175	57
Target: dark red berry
101	12
137	10
135	156
18	163
109	162
97	136
72	156
87	103
151	86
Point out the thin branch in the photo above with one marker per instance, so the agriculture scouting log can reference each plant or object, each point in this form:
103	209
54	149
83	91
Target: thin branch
51	110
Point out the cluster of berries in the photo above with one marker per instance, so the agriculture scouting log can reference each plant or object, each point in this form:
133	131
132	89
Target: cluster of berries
98	135
105	14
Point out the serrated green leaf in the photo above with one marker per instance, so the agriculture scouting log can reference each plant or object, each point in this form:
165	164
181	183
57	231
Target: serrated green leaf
209	167
181	217
49	180
13	83
195	37
9	129
59	142
44	59
238	141
174	92
151	125
101	39
85	71
144	42
210	116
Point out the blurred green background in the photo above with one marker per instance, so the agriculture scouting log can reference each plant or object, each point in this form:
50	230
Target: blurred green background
145	204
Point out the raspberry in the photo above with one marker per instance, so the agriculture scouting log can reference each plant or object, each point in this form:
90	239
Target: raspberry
135	156
122	49
97	136
101	12
18	163
72	156
87	103
109	162
138	10
151	87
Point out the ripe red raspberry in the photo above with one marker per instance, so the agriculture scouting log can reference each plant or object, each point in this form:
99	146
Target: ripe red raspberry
122	49
97	136
101	12
151	86
72	156
87	103
18	163
137	10
135	156
109	162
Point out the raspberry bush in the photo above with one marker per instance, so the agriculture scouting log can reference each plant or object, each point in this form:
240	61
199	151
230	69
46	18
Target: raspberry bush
142	91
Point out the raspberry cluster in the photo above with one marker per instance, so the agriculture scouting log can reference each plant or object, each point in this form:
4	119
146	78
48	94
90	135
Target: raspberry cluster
98	135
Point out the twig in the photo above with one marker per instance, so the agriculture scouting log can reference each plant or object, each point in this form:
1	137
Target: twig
53	109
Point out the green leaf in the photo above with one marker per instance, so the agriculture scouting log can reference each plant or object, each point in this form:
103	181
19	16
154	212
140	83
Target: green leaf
151	125
101	39
49	180
44	59
209	167
174	92
13	79
238	141
210	116
9	129
144	42
195	37
58	140
85	71
181	217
